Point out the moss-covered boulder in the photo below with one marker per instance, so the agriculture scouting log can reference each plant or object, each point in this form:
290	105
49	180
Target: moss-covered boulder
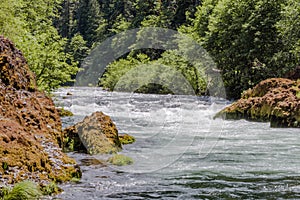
64	113
96	134
30	126
126	139
276	100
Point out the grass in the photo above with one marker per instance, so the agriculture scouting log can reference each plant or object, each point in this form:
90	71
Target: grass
28	190
25	190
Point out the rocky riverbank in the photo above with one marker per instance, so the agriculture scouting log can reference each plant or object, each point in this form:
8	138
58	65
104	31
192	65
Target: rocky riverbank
276	100
30	126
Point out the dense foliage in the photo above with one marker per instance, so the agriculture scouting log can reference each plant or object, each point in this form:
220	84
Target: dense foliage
242	38
29	24
248	40
247	48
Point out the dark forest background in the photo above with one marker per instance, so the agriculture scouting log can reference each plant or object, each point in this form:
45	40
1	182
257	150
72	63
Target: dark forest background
248	40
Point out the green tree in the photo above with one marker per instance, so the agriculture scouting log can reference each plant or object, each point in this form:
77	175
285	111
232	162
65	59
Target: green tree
119	68
288	28
30	27
88	20
198	26
242	38
177	60
66	22
11	24
78	48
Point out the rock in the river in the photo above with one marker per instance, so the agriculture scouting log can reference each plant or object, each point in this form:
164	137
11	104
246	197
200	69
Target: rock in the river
64	113
96	134
30	126
120	160
126	139
276	100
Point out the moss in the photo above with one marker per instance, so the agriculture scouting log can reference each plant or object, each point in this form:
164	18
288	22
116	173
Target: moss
68	144
64	113
126	139
75	180
96	134
4	192
25	190
30	127
72	142
120	160
67	175
50	189
32	84
274	100
4	166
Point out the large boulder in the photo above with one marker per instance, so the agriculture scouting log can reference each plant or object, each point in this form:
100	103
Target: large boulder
276	100
30	126
96	134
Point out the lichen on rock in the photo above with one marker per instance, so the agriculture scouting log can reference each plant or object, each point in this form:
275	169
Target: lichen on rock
275	100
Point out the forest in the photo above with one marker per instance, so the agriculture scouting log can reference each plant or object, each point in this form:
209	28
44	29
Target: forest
248	40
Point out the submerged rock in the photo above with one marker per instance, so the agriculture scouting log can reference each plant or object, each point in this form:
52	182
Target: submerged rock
30	126
92	162
96	134
120	160
276	100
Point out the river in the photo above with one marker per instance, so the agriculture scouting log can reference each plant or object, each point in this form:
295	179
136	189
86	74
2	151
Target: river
181	152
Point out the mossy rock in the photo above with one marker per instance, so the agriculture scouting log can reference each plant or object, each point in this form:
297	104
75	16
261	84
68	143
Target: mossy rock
120	160
50	189
126	139
30	126
96	134
275	100
64	113
68	174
